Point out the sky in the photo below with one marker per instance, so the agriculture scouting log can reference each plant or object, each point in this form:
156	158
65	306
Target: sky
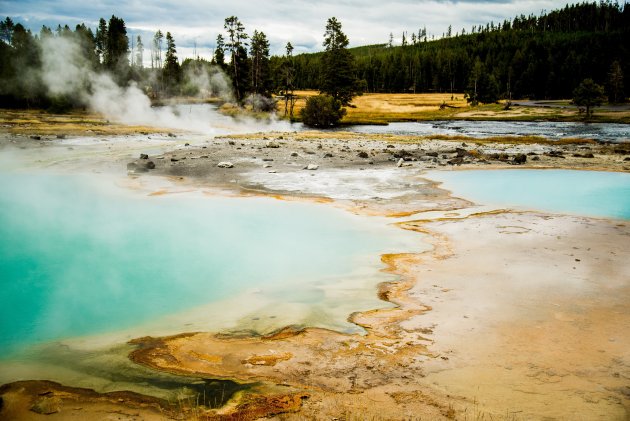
302	22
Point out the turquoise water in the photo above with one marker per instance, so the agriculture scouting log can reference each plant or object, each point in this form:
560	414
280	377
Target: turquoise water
588	193
80	256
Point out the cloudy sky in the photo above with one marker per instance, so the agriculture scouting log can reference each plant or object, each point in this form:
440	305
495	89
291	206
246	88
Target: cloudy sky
302	22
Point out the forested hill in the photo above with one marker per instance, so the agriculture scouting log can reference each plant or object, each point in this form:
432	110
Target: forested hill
543	56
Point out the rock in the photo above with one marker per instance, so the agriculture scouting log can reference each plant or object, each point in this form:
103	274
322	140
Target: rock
186	144
456	161
536	158
225	164
400	163
294	154
35	137
391	146
433	154
363	154
627	158
461	152
519	159
328	155
171	135
267	166
144	156
46	405
312	167
231	142
267	159
140	166
174	159
273	145
61	136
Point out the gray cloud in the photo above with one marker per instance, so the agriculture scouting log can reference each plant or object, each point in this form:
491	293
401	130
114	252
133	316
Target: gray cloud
300	21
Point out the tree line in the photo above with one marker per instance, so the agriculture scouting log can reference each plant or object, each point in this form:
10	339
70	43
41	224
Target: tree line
544	56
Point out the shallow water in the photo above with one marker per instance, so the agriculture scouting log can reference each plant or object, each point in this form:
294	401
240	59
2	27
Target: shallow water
554	130
82	256
588	193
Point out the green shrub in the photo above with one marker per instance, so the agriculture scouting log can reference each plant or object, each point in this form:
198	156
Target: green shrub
322	111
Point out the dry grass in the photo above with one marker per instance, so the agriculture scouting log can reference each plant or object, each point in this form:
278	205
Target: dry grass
387	108
77	123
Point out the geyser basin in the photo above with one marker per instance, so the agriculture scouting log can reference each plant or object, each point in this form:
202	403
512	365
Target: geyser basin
82	256
589	193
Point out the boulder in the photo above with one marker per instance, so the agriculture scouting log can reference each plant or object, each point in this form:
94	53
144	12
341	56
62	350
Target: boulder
225	164
272	144
312	167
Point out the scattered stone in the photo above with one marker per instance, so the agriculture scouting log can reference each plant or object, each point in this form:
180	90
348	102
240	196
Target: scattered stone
328	155
174	159
267	159
150	165
627	158
272	144
35	137
225	164
391	146
231	142
363	154
186	144
312	167
144	156
433	154
400	163
172	135
294	154
61	136
267	166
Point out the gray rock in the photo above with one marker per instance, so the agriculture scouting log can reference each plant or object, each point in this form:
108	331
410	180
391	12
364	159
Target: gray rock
271	144
312	167
225	164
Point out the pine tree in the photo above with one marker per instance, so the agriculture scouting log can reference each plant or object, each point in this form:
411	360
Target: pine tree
259	53
117	47
588	94
171	70
219	52
615	83
338	77
238	62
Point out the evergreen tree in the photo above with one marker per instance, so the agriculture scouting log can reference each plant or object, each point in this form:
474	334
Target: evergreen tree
338	77
101	40
6	30
615	83
219	52
157	48
171	71
117	48
589	94
238	62
259	53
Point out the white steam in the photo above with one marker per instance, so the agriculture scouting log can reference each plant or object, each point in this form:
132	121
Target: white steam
66	72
